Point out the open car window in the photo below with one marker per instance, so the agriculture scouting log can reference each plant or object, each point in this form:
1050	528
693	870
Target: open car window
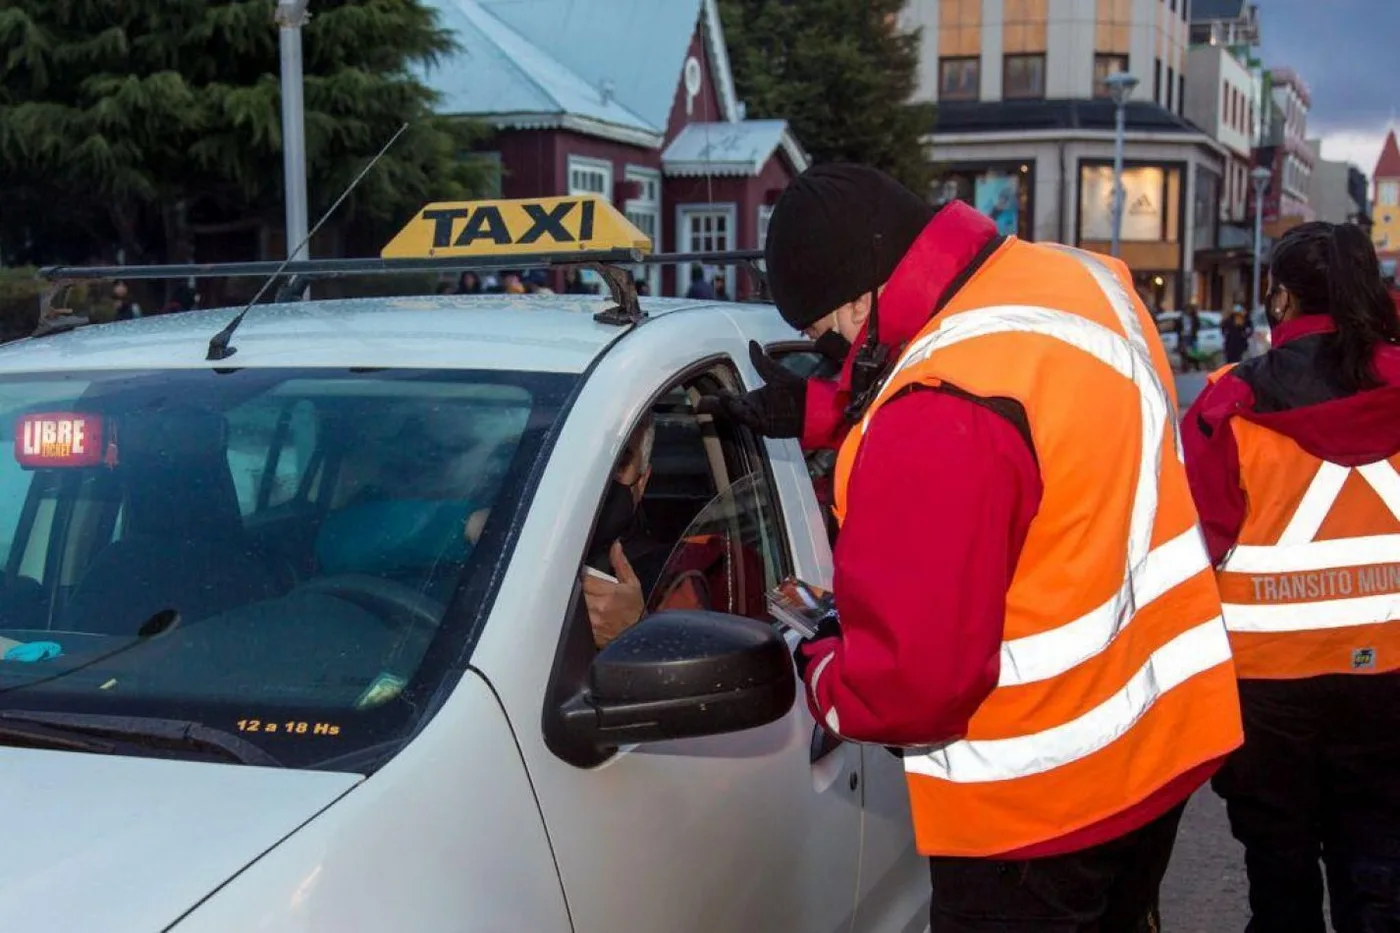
729	556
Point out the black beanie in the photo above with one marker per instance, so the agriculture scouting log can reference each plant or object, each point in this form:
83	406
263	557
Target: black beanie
821	251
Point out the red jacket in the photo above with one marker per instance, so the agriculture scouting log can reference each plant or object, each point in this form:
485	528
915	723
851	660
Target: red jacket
1282	391
939	505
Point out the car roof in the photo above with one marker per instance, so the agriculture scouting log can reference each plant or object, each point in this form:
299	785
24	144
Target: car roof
550	333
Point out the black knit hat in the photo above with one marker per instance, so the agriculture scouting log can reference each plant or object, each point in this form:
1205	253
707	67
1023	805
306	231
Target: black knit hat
822	250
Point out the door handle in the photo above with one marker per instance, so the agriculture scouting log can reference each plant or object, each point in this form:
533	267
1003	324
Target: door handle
823	743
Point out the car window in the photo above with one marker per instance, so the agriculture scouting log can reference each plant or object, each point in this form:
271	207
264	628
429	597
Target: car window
709	533
305	531
821	464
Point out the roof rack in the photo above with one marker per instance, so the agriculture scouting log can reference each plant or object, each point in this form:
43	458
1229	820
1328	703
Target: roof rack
586	231
609	264
373	265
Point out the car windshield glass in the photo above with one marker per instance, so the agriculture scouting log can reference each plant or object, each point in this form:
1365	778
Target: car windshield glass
295	557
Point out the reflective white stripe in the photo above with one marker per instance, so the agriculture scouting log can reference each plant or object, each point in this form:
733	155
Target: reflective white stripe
1385	481
1316	503
1312	616
1052	653
1049	654
817	676
1313	555
833	722
1147	573
968	762
1297	550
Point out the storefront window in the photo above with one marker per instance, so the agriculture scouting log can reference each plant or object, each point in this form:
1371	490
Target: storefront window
1151	205
1003	193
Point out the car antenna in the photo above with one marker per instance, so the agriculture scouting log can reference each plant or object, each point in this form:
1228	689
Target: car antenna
218	344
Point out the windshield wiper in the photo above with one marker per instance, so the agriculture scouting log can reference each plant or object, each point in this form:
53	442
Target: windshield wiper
88	732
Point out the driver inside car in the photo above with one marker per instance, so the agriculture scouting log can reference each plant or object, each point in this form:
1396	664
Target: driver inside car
622	544
709	568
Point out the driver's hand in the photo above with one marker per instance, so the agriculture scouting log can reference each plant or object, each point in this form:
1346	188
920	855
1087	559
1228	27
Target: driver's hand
613	608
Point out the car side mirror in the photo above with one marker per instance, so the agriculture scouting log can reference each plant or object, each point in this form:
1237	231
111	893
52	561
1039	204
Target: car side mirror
680	674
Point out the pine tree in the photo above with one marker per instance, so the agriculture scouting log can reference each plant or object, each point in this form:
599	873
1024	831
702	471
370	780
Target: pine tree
150	122
841	72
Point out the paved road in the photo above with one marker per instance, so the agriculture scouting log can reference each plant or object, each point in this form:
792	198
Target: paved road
1205	890
1188	386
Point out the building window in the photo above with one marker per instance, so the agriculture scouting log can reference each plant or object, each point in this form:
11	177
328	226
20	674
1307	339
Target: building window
1105	65
959	78
1023	76
706	228
1180	92
644	210
1001	191
1390	194
590	176
1152	205
1157	80
1171	85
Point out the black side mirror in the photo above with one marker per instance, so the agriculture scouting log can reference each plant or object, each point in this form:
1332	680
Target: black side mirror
679	674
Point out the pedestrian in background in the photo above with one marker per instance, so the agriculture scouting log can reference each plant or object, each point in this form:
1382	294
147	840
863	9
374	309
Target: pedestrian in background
123	308
1024	603
574	283
699	287
1236	331
1292	458
184	298
468	283
1187	338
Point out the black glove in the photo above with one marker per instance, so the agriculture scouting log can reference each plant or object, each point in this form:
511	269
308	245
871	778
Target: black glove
774	409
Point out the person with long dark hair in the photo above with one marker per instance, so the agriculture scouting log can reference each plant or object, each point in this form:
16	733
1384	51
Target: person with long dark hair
1292	459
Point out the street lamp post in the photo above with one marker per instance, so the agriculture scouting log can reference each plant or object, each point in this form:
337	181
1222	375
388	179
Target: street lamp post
1260	176
1120	88
290	16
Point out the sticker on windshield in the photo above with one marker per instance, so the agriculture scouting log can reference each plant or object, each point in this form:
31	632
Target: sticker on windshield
59	439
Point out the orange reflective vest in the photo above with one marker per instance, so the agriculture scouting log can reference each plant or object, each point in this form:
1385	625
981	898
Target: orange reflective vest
1312	585
1115	666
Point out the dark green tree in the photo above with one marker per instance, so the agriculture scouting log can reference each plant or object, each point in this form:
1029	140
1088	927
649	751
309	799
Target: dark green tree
150	124
841	72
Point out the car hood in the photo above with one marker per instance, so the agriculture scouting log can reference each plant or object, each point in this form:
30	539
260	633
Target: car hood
96	842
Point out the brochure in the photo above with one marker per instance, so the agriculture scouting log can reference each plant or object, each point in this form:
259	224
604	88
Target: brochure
800	606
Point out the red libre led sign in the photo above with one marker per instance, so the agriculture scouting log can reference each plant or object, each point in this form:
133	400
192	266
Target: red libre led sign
59	439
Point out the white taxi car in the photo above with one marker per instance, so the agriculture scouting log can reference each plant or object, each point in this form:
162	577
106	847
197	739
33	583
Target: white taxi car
259	674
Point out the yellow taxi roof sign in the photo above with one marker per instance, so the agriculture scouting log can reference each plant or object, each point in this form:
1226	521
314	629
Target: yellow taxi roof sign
520	227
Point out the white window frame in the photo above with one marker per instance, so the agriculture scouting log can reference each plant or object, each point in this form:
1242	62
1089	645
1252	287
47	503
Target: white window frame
601	168
648	207
765	216
730	211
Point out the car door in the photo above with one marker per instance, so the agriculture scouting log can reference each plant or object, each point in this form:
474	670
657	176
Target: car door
755	830
894	884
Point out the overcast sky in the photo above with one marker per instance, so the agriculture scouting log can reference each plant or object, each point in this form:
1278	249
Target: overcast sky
1348	54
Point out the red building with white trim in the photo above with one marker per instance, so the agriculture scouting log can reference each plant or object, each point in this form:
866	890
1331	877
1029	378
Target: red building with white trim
630	99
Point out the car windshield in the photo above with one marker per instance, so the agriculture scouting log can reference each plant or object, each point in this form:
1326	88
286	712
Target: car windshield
295	557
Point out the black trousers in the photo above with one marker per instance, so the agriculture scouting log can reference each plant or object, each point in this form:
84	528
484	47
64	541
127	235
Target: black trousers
1318	779
1110	888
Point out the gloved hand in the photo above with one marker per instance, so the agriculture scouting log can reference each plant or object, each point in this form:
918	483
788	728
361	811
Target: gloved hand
819	645
774	409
